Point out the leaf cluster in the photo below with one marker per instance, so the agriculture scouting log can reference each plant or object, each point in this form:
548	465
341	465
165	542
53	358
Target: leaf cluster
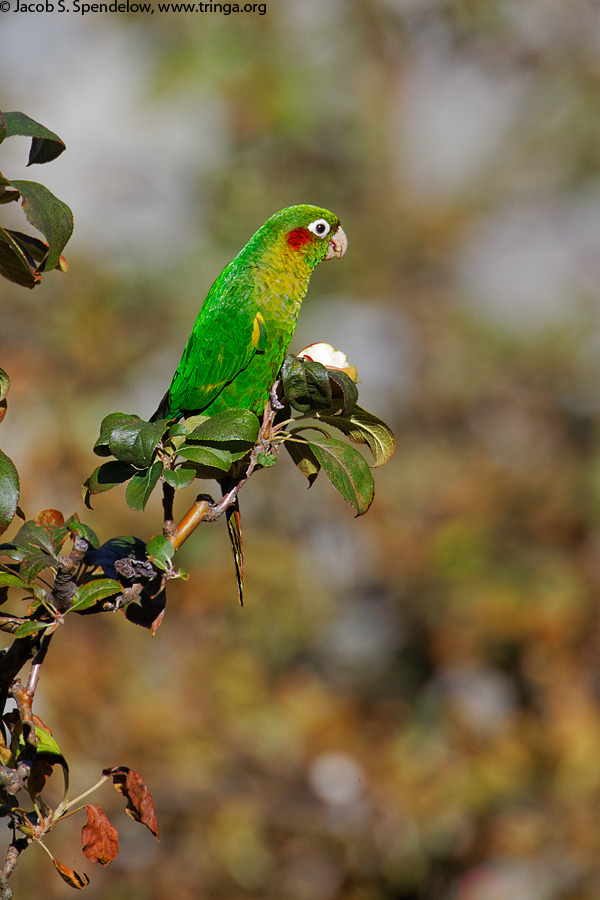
24	257
222	446
176	452
328	397
31	746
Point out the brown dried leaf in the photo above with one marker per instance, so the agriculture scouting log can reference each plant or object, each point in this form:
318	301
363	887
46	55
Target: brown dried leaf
140	805
157	622
99	837
49	518
36	782
73	878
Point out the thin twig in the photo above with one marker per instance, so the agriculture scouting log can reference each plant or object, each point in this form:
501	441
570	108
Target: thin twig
14	849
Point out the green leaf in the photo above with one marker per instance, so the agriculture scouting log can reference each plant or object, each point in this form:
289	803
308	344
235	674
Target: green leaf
160	552
45	145
9	491
89	594
2	127
140	487
49	215
207	456
234	426
305	384
266	459
179	478
343	391
186	426
47	746
8	579
363	427
80	530
304	458
107	426
137	444
28	628
4	384
33	547
347	470
107	476
130	439
20	256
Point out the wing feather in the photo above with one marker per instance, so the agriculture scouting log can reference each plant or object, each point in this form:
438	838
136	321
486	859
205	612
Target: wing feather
228	332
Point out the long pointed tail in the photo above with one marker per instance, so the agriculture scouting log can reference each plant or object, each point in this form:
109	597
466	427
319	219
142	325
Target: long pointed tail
234	528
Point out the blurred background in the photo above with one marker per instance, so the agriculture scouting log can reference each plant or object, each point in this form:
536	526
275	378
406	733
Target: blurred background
408	705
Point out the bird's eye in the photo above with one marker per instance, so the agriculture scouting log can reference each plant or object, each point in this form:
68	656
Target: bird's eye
320	227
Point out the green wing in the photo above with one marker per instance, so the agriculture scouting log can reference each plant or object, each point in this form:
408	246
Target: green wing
228	332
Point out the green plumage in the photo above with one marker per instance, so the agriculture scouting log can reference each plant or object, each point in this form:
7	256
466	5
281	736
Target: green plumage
244	327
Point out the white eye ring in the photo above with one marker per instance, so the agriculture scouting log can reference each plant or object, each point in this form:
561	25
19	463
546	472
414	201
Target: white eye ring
320	227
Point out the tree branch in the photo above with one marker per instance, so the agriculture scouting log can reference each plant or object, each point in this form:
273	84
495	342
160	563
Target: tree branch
206	510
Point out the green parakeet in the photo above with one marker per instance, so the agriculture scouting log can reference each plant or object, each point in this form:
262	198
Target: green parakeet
247	320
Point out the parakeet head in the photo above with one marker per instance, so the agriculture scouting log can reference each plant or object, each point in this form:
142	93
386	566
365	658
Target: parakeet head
303	234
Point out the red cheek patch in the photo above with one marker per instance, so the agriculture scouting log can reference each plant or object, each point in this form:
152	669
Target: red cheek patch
298	238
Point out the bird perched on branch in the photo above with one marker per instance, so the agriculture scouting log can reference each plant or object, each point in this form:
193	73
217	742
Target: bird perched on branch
247	320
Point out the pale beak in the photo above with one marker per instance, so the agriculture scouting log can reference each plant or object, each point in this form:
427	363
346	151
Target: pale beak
337	244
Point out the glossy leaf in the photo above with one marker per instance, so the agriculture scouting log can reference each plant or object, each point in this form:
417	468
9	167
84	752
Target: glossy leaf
79	530
9	491
46	742
363	427
179	478
105	477
347	470
49	215
266	460
45	145
32	546
210	457
107	426
140	487
160	551
304	458
8	579
343	391
130	439
100	839
234	426
305	384
20	255
31	627
91	593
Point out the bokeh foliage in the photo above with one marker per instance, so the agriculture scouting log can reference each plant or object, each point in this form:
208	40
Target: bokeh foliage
413	713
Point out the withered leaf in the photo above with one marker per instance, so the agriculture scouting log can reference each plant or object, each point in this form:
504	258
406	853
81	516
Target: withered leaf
73	878
41	770
49	518
99	837
140	805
